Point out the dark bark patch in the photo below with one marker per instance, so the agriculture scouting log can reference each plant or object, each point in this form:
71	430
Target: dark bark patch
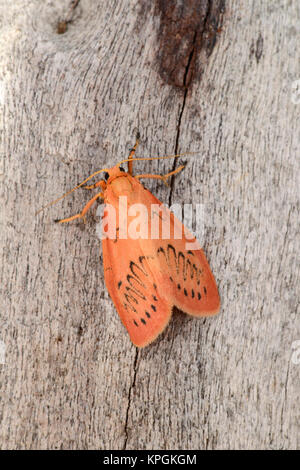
186	28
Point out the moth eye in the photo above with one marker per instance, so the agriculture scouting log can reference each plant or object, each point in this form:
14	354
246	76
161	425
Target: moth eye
121	168
106	175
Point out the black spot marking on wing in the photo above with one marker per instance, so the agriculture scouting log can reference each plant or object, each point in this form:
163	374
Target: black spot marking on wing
172	253
135	289
134	267
181	259
185	267
129	299
131	278
197	274
135	286
160	250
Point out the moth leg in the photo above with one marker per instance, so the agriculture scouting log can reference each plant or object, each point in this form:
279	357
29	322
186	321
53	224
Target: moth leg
132	152
81	215
100	184
162	177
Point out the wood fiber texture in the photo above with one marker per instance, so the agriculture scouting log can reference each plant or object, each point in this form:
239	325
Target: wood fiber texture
70	104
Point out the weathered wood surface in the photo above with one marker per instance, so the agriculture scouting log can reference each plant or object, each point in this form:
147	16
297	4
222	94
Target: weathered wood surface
70	104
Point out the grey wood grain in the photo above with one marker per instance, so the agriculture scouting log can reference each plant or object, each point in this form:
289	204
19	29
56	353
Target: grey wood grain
71	104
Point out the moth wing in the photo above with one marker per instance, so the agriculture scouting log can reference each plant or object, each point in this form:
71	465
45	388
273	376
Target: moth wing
147	277
182	272
194	287
134	291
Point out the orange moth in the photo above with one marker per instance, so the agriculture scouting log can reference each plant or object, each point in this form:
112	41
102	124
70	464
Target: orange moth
147	276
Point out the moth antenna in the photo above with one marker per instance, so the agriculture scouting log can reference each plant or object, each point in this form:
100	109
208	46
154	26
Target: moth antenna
106	169
71	191
157	158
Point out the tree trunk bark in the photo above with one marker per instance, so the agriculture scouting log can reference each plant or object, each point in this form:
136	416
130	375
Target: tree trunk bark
75	85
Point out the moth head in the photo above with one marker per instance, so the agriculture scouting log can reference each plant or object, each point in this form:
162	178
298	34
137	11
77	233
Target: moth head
113	173
118	181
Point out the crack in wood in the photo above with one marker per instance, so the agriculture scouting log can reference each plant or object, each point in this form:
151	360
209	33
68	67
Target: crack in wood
135	368
211	17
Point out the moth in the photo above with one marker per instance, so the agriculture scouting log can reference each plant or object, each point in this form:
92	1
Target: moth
147	276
